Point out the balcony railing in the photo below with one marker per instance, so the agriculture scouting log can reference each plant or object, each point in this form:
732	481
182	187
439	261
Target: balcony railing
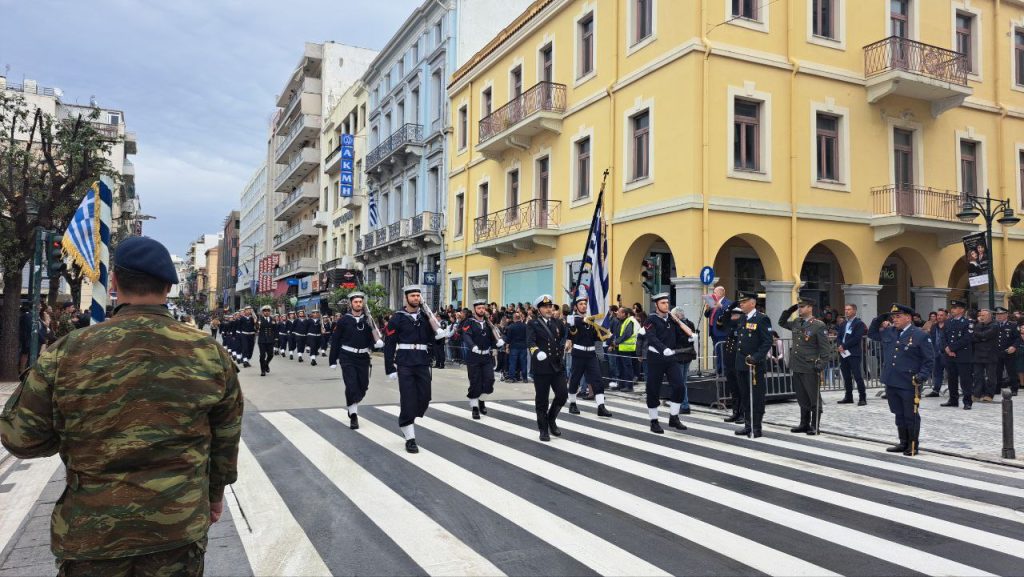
529	215
30	89
381	236
407	134
896	53
543	96
425	222
304	227
300	190
302	121
915	201
307	263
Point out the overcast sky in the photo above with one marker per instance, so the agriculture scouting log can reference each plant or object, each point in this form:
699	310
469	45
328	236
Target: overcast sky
196	80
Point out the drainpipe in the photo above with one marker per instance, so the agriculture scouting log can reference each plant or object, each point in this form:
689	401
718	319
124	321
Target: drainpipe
1007	273
466	230
793	197
705	218
610	91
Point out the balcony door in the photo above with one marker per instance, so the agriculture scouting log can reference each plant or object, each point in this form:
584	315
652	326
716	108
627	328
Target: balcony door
899	24
903	166
543	193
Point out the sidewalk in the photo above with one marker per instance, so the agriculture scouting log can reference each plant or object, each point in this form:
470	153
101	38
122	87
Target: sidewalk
975	434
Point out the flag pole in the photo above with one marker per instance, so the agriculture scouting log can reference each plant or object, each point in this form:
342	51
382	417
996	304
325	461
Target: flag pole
590	235
98	308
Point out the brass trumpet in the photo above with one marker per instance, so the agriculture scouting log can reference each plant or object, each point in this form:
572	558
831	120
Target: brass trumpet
602	333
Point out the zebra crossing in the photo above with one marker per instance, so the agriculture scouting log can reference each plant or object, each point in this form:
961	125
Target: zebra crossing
607	498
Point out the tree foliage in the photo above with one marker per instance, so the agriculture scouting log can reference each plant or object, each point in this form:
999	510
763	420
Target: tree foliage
376	296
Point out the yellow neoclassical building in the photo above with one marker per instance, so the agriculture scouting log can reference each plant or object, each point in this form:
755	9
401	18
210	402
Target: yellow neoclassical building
819	146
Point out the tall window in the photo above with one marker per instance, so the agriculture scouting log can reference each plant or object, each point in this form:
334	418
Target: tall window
641	156
414	105
745	9
438	94
463	127
546	63
899	18
515	82
823	13
903	158
1020	168
484	192
460	212
747	135
1018	56
513	190
964	28
643	19
582	169
543	178
968	167
828	147
586	46
488	102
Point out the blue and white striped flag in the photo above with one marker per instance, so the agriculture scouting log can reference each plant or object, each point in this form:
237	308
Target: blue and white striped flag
594	274
87	244
373	215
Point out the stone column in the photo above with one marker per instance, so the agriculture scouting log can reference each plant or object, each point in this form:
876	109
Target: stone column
865	296
928	299
689	291
778	296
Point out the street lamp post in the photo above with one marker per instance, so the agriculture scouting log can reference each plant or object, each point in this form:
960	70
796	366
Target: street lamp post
999	211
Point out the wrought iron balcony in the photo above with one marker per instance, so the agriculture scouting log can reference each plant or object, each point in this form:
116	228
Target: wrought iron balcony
425	222
407	139
913	69
518	228
899	209
512	126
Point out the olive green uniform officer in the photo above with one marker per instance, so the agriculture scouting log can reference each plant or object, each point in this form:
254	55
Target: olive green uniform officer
146	415
809	353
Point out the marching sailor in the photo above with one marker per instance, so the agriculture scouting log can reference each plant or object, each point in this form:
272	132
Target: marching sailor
282	334
480	339
663	337
299	328
351	344
583	341
290	343
266	333
314	329
246	328
907	362
407	340
543	339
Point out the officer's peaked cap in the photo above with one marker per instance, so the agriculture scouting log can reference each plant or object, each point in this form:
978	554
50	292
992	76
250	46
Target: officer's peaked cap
745	296
265	308
897	308
957	303
543	301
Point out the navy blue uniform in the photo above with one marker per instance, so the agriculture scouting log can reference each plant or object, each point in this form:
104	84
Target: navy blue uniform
480	363
754	339
584	356
266	337
906	355
247	336
1006	363
662	334
727	354
407	341
547	336
351	344
960	367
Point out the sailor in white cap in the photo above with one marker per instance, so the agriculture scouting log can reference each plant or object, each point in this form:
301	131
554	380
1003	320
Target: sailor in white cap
351	343
479	337
663	336
266	337
407	339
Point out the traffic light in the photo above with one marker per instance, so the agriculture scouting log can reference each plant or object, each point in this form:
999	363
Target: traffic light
54	254
647	275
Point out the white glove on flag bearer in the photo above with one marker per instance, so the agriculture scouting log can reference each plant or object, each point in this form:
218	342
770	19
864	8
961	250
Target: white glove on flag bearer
668	352
542	356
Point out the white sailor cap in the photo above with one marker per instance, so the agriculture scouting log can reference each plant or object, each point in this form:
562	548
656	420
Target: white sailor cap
413	288
543	301
479	302
357	295
660	297
265	308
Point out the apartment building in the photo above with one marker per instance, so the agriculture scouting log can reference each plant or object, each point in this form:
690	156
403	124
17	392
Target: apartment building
408	120
253	233
228	261
343	141
324	70
814	146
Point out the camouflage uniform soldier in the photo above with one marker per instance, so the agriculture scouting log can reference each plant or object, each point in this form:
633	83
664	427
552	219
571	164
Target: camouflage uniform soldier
66	322
146	415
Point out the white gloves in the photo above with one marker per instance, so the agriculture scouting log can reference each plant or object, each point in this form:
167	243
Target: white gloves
542	356
440	334
393	376
693	338
641	332
378	345
476	350
668	352
501	343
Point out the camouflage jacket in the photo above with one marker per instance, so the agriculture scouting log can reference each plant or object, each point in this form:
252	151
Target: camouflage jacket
65	325
146	414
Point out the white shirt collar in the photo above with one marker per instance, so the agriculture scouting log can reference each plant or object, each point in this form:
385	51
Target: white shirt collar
751	314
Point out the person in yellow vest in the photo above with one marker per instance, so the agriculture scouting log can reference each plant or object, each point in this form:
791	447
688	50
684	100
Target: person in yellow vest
625	349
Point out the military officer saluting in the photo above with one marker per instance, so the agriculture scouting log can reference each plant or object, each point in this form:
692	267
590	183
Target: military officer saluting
808	355
407	340
663	337
584	341
478	336
547	360
960	350
753	343
352	341
907	359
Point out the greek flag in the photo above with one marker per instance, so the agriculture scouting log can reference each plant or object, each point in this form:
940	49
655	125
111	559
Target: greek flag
373	215
87	243
594	274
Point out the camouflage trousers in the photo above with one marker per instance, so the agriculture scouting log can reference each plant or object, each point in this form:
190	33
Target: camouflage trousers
184	561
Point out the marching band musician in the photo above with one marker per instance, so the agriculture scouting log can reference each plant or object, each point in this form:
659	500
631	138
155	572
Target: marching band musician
351	343
543	339
663	336
480	340
582	341
407	340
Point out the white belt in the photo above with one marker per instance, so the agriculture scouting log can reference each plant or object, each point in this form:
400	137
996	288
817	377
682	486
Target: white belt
408	347
656	351
583	348
245	333
353	349
481	352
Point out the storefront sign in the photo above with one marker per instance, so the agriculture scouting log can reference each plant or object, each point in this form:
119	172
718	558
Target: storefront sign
347	153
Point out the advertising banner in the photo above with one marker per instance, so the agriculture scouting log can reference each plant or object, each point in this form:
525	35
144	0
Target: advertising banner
977	256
